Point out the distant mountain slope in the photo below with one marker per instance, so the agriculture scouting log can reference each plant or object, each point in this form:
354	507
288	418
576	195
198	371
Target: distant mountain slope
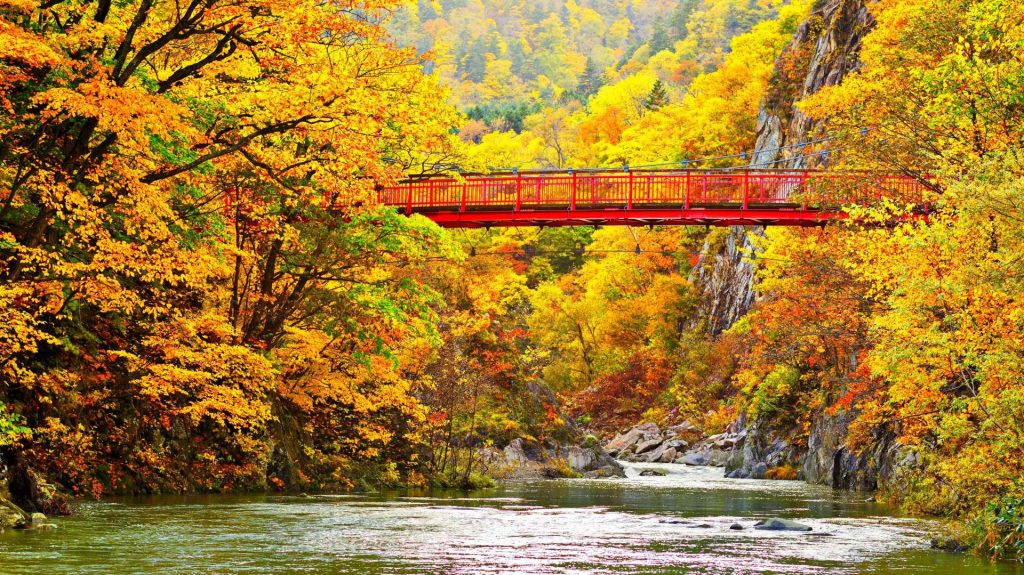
495	52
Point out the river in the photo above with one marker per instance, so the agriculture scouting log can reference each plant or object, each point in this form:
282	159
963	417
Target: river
679	523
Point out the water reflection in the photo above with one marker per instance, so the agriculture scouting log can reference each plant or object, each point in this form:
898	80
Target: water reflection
679	523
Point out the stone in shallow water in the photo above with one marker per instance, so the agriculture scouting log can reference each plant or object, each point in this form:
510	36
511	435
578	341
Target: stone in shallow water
694	458
759	470
653	473
950	544
736	527
776	524
604	472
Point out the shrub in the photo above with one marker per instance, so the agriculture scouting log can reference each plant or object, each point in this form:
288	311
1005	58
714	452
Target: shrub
782	472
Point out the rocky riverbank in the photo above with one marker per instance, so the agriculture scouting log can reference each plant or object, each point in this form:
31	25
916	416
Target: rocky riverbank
683	443
526	459
759	451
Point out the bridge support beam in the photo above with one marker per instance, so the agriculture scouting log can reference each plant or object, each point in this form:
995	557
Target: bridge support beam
634	217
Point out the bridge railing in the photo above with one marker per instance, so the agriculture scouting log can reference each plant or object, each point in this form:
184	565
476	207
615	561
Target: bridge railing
684	189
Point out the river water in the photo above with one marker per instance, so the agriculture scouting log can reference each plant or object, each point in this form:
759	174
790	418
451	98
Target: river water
678	523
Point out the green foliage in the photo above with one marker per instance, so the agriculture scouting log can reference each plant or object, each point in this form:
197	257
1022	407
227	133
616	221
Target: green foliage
657	97
774	392
11	430
999	530
503	116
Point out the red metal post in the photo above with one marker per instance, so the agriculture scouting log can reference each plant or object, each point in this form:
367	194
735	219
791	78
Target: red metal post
519	191
572	196
629	200
462	205
686	192
746	187
408	203
804	186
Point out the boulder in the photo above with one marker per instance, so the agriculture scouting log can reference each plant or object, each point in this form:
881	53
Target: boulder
659	454
736	527
759	470
950	544
693	458
653	473
581	459
515	452
649	428
592	459
726	442
648	445
11	515
684	427
668	456
604	472
776	524
628	440
717	458
622	442
738	474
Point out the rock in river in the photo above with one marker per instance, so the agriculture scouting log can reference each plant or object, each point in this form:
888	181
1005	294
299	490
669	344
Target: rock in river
776	524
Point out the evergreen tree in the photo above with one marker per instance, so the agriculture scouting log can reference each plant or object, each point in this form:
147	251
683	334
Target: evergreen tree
657	97
591	79
680	17
659	37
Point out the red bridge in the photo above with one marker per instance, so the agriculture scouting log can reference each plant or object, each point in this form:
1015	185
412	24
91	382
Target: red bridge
654	197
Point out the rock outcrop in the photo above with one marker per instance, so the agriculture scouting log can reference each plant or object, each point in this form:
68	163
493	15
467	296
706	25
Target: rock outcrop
12	516
524	459
683	444
27	489
824	50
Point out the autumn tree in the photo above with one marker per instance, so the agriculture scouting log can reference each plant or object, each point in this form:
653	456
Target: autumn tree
178	200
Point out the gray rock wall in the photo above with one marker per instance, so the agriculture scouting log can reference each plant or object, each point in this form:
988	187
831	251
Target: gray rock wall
824	50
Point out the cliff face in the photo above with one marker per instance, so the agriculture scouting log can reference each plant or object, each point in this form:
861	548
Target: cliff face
824	50
725	279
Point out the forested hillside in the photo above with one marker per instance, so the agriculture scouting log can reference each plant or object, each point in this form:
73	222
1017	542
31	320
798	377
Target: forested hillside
603	84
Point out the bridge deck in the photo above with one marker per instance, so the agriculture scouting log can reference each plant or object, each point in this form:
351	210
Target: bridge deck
679	197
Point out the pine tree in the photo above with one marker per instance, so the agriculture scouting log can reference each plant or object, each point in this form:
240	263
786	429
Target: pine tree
680	16
657	97
659	37
591	79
